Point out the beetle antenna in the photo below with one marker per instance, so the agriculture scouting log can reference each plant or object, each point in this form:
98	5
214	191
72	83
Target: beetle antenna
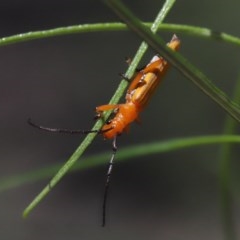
62	130
109	172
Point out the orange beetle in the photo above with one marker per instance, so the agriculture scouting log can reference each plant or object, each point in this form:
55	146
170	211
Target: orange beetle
138	95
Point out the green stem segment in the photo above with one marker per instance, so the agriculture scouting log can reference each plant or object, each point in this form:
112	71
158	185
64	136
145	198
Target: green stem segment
123	155
116	26
225	175
89	138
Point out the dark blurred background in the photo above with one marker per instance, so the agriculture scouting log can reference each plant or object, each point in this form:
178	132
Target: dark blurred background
59	81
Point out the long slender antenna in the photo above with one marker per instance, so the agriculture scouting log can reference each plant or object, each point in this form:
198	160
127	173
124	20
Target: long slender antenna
109	172
62	130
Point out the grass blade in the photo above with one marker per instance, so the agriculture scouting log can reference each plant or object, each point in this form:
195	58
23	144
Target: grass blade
123	155
225	172
117	26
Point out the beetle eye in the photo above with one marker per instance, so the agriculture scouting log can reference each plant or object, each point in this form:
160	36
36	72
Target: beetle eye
108	122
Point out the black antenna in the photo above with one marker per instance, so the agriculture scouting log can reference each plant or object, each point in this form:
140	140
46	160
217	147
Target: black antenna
63	130
109	172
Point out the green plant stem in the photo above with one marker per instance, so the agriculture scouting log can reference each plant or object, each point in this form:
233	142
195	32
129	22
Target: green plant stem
116	26
225	174
177	60
89	138
123	155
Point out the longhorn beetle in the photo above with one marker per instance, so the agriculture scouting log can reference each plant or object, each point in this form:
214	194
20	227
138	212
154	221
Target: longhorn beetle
142	87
